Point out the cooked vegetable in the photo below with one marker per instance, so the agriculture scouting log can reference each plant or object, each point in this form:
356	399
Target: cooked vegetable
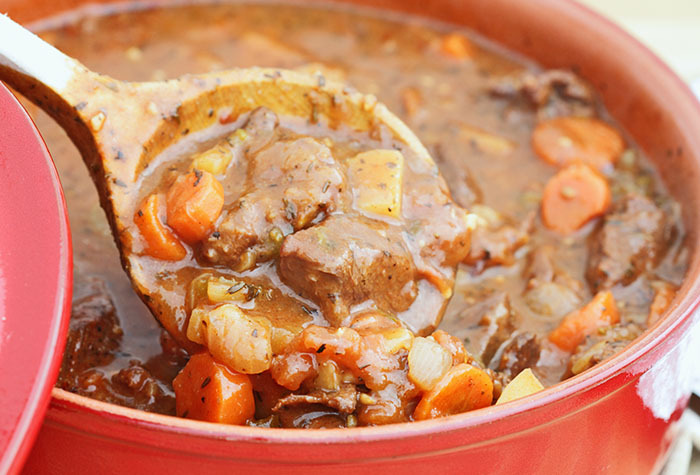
194	202
565	140
453	345
463	388
208	391
573	197
664	295
221	289
396	339
486	142
328	376
215	160
457	46
377	178
427	363
160	242
598	313
524	384
232	337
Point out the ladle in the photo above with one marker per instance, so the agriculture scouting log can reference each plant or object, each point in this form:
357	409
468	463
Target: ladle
119	127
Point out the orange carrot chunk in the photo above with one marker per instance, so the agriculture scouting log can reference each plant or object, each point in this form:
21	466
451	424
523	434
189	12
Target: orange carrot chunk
566	140
663	297
457	46
194	202
160	242
598	313
463	388
208	391
573	197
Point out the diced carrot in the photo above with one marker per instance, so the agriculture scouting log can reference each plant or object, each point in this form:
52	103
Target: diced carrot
598	313
457	46
208	391
663	297
565	140
267	393
194	202
573	197
463	388
161	243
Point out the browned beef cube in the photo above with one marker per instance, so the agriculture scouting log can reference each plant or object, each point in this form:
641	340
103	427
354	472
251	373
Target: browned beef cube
93	336
343	400
495	322
290	184
552	93
602	345
344	261
629	242
521	352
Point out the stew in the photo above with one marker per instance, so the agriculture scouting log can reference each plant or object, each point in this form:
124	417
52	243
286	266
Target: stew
309	267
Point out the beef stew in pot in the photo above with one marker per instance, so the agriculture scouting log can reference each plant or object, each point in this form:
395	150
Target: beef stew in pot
313	265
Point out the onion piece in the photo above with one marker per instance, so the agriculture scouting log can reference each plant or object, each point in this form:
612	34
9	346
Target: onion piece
241	342
427	363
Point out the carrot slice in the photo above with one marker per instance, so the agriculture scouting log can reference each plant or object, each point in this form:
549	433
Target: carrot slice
663	297
565	140
161	243
598	313
208	391
457	46
463	388
573	197
194	202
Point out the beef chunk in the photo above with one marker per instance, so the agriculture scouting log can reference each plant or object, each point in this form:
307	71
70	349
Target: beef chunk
629	242
289	184
550	292
344	261
552	93
496	322
495	247
309	416
521	352
93	336
140	389
438	232
601	345
463	185
133	386
496	240
344	400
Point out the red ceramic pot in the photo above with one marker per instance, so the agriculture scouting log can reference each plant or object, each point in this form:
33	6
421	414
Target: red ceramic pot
618	417
35	280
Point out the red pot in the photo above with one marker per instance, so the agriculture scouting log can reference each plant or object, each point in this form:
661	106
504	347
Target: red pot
617	417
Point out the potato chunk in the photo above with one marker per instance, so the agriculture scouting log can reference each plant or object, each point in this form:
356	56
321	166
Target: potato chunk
522	385
376	178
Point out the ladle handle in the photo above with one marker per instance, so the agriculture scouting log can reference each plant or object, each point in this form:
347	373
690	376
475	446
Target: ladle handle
26	60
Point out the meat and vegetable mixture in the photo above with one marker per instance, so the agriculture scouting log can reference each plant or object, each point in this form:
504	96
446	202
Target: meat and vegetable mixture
330	278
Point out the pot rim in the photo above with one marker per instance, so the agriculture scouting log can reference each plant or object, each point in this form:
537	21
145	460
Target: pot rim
678	319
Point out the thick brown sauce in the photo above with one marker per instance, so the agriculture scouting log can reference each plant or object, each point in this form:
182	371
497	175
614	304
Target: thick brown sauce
376	55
